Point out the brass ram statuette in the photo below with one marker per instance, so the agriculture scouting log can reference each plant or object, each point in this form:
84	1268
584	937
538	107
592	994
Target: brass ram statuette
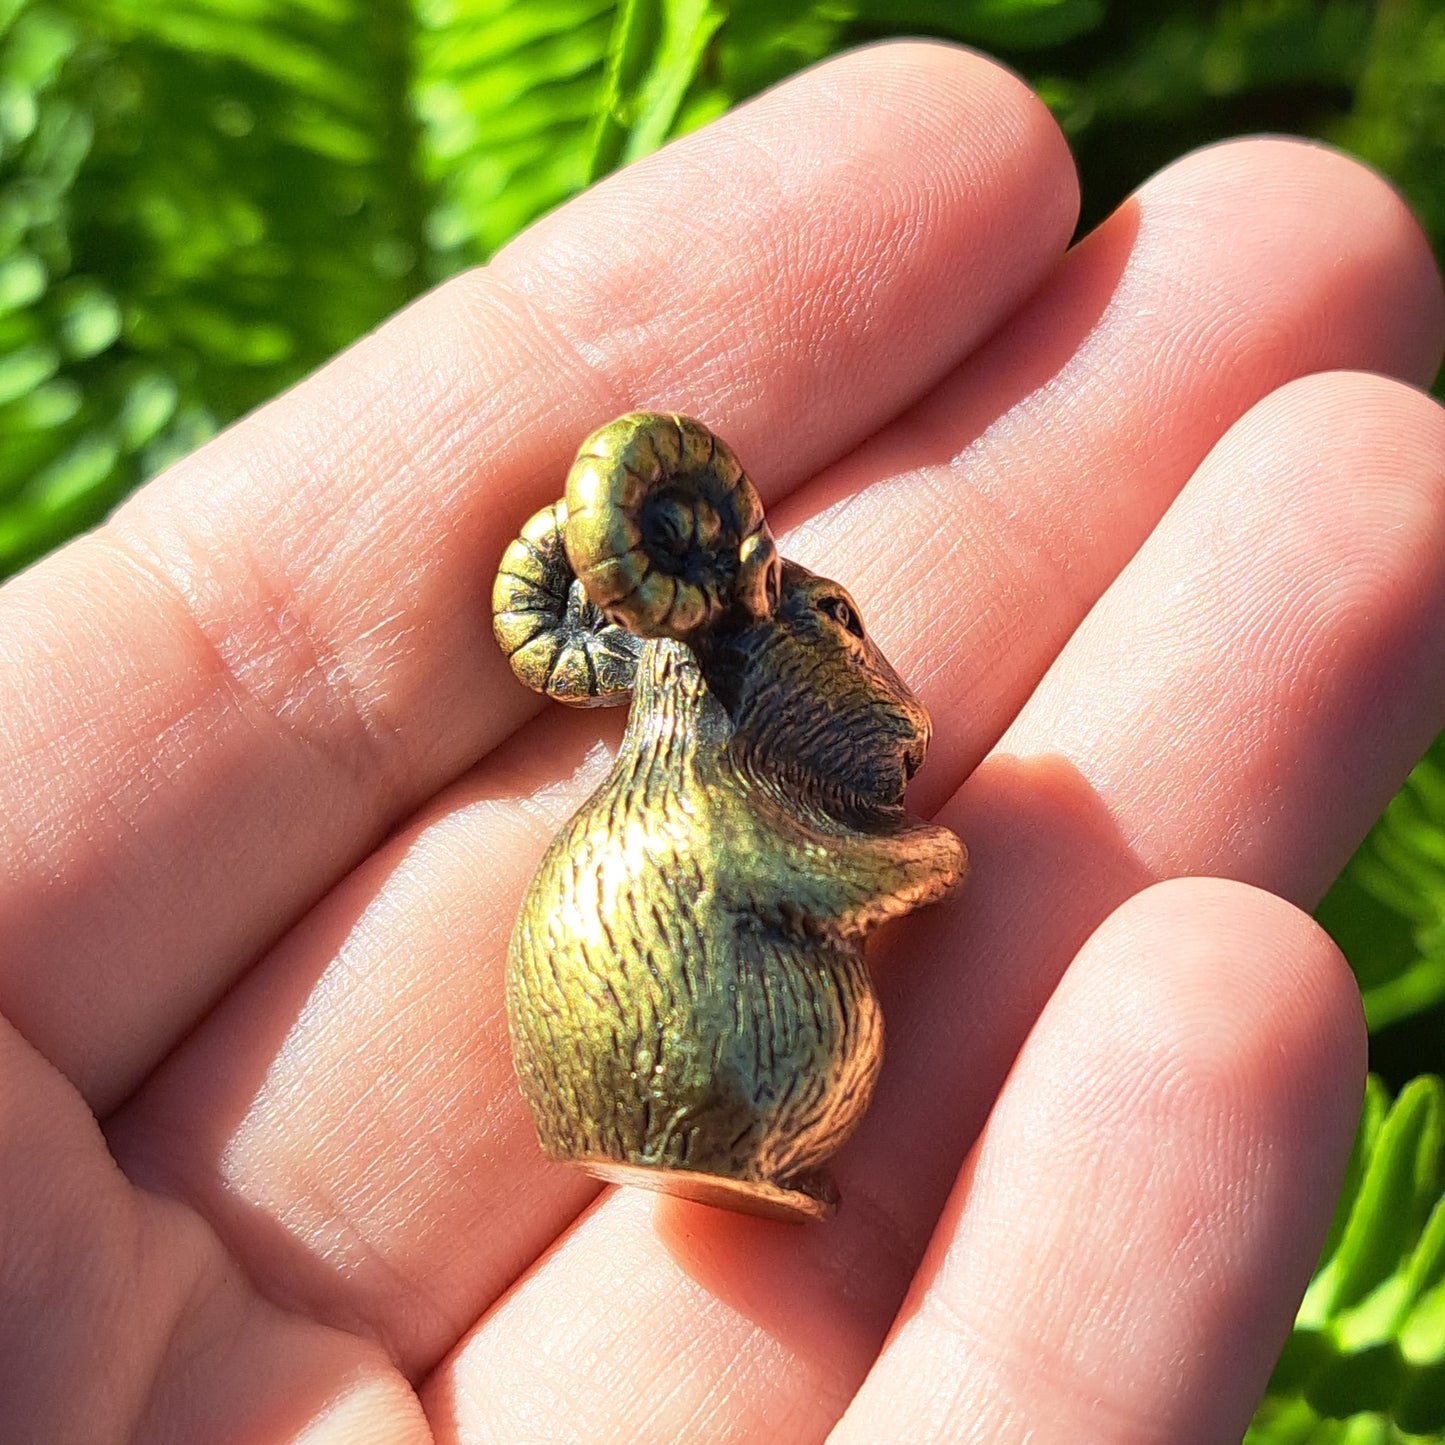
688	997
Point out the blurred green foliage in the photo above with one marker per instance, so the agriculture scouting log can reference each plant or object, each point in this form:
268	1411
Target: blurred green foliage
1388	910
201	200
1366	1361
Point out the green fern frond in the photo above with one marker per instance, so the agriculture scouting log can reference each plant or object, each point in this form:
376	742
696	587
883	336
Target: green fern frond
508	92
199	202
1388	910
1293	1422
1366	1360
656	51
1397	120
73	423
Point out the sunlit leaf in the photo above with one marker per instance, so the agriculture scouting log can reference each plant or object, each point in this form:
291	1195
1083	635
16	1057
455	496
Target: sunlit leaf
22	280
508	92
1388	910
23	369
1367	1356
657	49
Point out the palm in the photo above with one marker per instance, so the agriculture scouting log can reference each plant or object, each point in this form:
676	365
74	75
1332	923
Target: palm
261	669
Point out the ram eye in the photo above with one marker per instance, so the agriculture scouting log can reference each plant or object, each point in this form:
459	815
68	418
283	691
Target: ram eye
841	613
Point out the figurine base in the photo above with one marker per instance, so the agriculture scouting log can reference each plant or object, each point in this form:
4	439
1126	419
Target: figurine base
791	1206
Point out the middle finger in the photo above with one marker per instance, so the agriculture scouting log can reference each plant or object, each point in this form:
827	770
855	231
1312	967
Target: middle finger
382	1169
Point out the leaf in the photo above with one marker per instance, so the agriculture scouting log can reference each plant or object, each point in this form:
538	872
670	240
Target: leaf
23	369
87	320
199	201
22	280
508	93
1387	912
1293	1422
656	51
1366	1359
1397	118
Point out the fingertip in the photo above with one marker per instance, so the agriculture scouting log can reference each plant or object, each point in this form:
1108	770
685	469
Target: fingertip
375	1409
1359	461
1380	250
1236	991
1140	1217
955	81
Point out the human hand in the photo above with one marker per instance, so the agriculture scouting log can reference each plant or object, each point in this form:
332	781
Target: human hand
271	798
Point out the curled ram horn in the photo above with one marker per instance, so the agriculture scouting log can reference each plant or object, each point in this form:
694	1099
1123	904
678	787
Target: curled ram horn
555	638
688	996
665	530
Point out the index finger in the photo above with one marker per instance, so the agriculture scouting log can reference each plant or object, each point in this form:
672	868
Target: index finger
222	700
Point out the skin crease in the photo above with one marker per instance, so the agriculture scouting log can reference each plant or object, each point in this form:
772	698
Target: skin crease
270	803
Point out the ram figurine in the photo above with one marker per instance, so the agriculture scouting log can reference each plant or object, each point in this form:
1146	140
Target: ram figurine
687	992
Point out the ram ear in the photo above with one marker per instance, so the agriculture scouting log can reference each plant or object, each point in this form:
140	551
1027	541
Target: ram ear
554	636
760	575
666	531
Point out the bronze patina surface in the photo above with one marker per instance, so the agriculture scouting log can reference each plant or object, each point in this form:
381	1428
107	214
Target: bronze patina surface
688	997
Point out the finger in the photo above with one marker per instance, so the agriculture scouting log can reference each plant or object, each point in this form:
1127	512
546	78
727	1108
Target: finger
274	652
1022	484
349	1118
409	1207
1282	617
1124	1255
121	1319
